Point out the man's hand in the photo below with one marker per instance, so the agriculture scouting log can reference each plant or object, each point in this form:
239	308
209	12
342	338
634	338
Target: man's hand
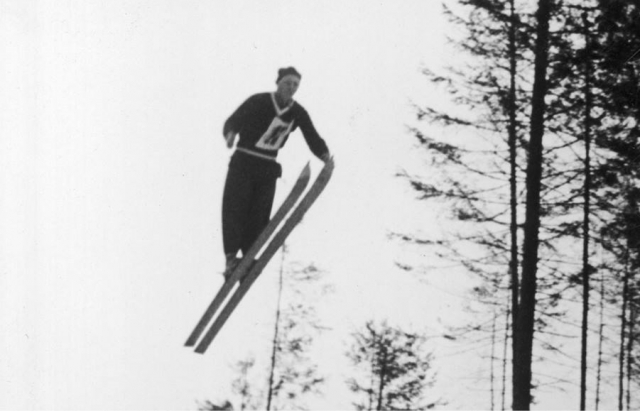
230	137
327	157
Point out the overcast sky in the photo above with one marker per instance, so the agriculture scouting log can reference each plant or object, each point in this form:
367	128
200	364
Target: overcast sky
113	162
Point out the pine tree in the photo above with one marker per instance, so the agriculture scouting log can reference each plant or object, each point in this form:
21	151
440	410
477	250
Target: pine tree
394	370
524	320
486	198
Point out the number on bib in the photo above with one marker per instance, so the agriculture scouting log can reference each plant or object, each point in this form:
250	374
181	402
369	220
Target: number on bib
275	135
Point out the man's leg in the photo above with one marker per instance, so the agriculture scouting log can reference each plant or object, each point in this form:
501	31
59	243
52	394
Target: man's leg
235	210
260	212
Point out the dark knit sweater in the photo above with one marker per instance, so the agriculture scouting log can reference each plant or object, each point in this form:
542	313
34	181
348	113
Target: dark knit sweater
264	127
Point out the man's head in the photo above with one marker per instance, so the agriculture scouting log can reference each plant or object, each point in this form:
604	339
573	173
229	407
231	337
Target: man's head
287	71
288	81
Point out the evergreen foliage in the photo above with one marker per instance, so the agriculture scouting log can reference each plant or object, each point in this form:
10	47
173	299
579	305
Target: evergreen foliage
395	371
499	123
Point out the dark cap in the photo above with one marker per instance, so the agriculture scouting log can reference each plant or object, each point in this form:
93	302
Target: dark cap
287	71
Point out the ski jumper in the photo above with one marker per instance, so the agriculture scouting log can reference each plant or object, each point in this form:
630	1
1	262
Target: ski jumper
263	129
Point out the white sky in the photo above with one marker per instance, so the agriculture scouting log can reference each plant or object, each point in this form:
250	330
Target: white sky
112	165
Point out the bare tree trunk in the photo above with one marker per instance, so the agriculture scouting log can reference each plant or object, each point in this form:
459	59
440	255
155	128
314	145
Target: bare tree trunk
513	194
630	341
513	227
492	360
383	371
371	392
623	327
504	356
600	340
276	330
586	214
525	317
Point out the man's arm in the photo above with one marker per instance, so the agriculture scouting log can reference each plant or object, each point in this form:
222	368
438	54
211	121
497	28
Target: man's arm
234	123
316	144
230	137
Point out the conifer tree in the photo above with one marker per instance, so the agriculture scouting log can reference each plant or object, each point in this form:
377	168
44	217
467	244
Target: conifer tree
394	372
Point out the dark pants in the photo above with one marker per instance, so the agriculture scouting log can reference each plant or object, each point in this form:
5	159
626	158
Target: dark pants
247	200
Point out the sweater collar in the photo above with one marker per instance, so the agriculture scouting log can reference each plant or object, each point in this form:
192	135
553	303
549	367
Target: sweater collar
280	111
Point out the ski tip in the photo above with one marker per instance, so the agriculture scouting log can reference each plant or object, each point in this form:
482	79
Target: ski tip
307	168
332	161
329	165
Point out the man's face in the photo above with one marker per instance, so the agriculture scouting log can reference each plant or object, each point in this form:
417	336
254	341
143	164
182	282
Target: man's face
287	86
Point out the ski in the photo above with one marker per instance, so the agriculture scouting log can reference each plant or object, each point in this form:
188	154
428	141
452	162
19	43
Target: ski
258	265
248	260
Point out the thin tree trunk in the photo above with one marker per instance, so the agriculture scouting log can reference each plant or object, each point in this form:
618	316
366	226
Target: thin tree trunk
371	392
493	358
276	330
632	318
374	357
586	214
525	318
513	194
623	327
383	371
504	356
513	227
600	340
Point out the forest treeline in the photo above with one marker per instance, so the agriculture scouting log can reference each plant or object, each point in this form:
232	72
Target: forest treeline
540	169
535	158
